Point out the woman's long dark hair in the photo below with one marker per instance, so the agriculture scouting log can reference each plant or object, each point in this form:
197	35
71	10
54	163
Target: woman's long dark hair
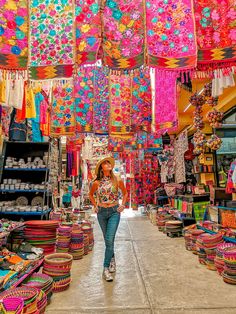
100	175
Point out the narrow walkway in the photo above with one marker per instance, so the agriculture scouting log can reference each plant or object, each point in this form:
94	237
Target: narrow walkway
155	274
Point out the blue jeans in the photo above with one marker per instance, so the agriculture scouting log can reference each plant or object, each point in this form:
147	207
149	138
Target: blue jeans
108	219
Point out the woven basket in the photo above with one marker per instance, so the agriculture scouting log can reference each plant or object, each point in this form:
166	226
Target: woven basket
59	259
13	305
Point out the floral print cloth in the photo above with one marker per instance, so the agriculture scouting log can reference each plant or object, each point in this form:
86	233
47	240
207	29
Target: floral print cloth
84	99
88	30
170	34
115	144
51	32
13	34
180	147
166	113
141	140
120	104
101	104
154	141
107	192
216	32
141	115
123	33
62	111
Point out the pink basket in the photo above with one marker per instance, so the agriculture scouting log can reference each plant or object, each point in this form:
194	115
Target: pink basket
13	305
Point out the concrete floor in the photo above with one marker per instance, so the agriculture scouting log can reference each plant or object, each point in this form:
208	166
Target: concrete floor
155	274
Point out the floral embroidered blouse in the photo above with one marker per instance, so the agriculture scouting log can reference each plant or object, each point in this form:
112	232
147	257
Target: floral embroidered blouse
107	192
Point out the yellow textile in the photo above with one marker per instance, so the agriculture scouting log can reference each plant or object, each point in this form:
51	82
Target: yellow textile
3	91
30	103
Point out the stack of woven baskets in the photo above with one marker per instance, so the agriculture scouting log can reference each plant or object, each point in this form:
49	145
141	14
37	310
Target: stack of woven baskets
219	259
77	244
58	267
63	239
42	282
88	230
229	273
190	237
26	300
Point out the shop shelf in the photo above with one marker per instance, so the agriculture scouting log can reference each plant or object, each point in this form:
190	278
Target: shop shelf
25	169
21	191
39	213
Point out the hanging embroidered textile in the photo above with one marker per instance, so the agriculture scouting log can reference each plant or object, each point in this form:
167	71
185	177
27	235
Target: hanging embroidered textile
88	30
13	34
171	34
141	115
120	104
166	113
84	99
51	38
115	144
131	143
62	111
101	107
154	141
216	33
141	140
123	33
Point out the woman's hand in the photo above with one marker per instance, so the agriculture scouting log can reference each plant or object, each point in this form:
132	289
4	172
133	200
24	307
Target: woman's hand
121	208
95	209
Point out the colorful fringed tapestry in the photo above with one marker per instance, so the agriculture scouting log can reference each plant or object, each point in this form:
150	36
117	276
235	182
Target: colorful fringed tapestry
120	104
115	144
166	113
123	33
62	110
216	33
13	34
101	109
88	30
51	37
154	141
141	140
84	99
170	34
141	116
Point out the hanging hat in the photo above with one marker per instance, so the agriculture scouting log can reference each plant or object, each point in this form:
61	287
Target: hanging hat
111	161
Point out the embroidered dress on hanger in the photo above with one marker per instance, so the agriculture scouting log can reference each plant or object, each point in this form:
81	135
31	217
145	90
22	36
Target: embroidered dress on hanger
88	30
171	42
13	34
180	146
51	39
84	99
123	34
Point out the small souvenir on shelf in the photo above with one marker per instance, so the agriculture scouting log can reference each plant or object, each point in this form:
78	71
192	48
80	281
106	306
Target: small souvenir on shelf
214	142
215	117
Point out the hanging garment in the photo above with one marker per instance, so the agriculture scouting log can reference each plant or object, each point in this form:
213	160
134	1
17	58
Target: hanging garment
17	130
123	34
166	113
220	81
101	106
21	114
180	147
215	33
51	38
62	111
231	182
14	34
14	93
6	120
141	110
170	28
88	30
84	99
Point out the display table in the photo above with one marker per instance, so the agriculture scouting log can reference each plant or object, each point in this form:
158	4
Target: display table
193	204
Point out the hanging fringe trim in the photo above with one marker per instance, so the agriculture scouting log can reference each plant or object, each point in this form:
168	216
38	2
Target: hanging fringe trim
207	70
181	74
14	74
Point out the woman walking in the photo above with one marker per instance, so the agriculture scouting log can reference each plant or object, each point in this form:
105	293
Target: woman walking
106	187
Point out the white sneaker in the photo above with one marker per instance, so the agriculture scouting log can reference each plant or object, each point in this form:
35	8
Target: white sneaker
106	275
112	267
